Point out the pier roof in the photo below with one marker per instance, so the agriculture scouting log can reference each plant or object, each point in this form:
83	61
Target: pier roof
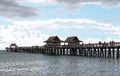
53	39
72	39
13	44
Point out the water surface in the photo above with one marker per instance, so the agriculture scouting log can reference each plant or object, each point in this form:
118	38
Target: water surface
27	64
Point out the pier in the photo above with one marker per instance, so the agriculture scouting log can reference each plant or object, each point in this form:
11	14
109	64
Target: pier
72	46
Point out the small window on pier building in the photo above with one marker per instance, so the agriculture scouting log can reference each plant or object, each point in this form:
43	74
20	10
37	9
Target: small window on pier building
73	41
53	41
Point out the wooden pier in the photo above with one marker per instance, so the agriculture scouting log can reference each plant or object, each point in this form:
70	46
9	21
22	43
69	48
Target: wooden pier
72	46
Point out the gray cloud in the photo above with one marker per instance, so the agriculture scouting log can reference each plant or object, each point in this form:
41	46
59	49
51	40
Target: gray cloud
77	3
13	8
111	20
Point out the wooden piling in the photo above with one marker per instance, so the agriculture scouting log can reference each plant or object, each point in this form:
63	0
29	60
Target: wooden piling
118	52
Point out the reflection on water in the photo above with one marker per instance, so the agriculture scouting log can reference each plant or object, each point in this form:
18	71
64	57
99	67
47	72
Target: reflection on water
26	64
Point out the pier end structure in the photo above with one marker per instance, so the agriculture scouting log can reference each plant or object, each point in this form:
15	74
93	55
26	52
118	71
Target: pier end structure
12	47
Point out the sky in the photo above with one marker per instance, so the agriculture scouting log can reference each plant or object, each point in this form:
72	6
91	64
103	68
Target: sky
30	22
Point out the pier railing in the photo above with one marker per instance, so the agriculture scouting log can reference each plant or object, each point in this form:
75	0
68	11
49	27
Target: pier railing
111	44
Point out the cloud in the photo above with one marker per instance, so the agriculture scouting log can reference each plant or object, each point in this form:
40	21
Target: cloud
31	33
78	3
111	20
21	35
56	23
59	23
91	40
96	40
15	8
23	9
41	1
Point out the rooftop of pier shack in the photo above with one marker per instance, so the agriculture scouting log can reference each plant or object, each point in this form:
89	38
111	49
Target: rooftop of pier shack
53	39
13	44
72	39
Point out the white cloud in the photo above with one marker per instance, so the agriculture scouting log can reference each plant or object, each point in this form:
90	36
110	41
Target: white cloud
97	40
20	35
51	24
106	27
91	40
31	32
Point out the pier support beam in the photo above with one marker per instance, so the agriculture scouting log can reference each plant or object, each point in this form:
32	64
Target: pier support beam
117	53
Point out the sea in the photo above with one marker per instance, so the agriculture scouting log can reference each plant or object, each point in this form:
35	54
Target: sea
28	64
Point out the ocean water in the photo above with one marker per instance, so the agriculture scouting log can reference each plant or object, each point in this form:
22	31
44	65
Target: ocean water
27	64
